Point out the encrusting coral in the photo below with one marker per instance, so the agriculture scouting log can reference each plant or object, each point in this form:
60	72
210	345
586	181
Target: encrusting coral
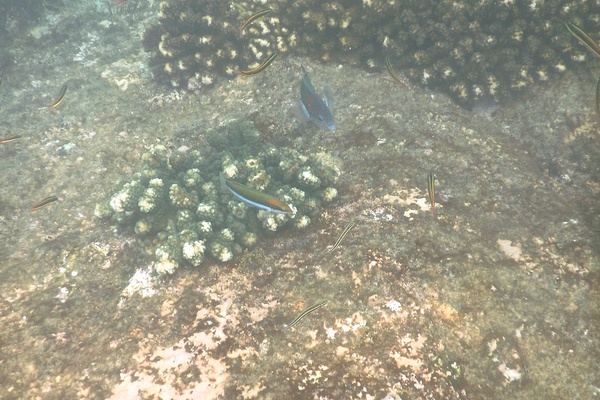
473	50
177	207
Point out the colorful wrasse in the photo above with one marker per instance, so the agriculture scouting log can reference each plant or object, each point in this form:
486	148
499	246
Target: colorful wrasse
254	197
306	312
44	203
60	98
431	190
313	107
254	17
9	139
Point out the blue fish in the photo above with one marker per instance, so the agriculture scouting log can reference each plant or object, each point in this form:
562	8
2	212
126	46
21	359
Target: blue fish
312	106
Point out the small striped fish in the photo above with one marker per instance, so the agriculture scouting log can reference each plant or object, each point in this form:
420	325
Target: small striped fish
592	46
431	191
60	98
254	17
260	68
306	312
10	139
390	70
342	236
44	203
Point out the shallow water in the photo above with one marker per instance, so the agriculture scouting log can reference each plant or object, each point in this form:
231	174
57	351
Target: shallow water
497	297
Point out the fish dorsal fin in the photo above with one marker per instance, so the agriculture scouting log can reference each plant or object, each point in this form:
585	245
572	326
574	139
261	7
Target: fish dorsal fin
306	81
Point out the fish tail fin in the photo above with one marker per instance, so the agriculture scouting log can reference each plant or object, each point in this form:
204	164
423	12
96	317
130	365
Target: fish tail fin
223	181
300	112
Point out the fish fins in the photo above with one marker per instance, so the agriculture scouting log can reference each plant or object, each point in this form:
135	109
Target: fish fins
300	112
327	98
224	187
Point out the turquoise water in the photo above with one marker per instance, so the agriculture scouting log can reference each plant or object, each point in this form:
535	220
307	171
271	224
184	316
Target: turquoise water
495	298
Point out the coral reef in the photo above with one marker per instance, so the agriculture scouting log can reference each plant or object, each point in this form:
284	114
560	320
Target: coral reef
178	208
472	50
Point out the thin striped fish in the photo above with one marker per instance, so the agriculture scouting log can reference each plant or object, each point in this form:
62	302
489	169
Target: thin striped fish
306	312
10	139
342	236
390	70
44	203
431	191
584	38
592	46
598	96
60	98
260	68
254	17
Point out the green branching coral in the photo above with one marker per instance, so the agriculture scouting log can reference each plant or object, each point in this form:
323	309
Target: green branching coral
472	49
176	206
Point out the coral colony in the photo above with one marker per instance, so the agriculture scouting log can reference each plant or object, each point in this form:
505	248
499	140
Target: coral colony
177	205
472	50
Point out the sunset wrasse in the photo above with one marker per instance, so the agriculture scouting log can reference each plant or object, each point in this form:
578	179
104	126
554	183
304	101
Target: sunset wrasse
313	107
254	197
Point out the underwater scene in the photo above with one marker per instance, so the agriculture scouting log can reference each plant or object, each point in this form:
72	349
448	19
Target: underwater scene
274	199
